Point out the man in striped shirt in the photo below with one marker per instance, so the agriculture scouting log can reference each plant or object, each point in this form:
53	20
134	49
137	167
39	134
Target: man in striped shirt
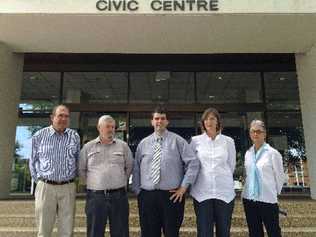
53	166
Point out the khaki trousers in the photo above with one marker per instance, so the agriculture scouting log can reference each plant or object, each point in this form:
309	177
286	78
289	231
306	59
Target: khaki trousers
53	201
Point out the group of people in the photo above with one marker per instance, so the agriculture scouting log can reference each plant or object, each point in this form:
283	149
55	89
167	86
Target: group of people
164	169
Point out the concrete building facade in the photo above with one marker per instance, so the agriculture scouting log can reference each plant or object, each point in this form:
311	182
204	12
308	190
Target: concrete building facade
42	29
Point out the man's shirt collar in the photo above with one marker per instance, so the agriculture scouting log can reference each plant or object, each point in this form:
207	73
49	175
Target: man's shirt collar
163	136
98	140
52	131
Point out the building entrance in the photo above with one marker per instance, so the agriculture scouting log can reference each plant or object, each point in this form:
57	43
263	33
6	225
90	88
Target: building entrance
128	87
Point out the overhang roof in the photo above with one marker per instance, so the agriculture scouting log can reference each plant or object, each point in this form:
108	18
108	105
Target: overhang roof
141	33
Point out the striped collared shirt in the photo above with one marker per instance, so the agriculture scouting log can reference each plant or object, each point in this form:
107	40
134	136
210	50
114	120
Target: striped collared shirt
54	156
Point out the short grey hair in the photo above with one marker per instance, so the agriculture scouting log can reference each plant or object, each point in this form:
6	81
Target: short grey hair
106	118
258	122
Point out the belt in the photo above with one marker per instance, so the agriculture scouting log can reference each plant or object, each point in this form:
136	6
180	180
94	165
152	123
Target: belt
107	191
57	182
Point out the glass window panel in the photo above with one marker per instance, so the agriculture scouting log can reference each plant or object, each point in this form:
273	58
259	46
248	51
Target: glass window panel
148	87
281	90
172	87
139	127
40	91
95	87
285	133
183	124
26	127
181	87
235	127
228	87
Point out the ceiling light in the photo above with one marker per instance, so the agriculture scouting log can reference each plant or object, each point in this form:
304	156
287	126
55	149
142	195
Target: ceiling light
162	76
220	78
282	79
211	97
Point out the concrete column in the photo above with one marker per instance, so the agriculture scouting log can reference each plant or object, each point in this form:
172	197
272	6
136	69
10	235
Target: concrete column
11	73
306	71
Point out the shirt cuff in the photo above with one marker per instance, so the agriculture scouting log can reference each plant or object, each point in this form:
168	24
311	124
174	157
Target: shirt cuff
185	185
35	179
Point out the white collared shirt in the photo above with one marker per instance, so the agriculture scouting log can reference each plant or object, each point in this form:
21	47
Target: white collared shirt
270	166
218	160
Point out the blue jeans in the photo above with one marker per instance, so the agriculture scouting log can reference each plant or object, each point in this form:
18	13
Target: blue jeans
210	212
113	206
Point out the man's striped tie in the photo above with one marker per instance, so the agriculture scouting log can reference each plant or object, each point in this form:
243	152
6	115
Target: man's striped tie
155	167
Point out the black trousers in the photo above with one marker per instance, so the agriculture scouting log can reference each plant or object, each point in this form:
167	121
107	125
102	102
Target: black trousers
158	213
259	214
100	207
210	212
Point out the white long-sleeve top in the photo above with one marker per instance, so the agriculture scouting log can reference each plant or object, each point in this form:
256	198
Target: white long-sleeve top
218	161
270	166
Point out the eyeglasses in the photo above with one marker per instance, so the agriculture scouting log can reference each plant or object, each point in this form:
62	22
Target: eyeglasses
256	132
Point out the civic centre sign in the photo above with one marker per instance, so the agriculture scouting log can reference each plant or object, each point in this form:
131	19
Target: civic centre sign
156	6
173	7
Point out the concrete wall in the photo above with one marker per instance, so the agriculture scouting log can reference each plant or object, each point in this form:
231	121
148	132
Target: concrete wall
144	6
306	70
11	72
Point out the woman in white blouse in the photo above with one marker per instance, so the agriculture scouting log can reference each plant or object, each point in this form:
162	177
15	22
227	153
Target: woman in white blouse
213	192
264	180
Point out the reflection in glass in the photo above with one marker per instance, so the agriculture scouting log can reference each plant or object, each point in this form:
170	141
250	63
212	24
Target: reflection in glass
281	90
172	87
139	127
182	124
228	87
181	87
95	87
285	133
148	87
40	91
21	179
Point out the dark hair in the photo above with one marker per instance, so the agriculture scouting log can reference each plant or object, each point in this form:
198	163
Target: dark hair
206	113
160	110
57	106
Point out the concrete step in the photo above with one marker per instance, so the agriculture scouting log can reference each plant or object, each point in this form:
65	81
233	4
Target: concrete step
135	232
17	219
26	220
293	207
